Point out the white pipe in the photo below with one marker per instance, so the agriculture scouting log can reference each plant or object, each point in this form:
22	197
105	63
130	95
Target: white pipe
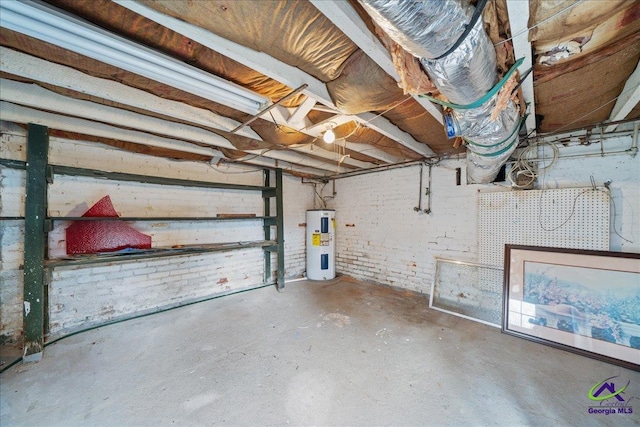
40	70
578	156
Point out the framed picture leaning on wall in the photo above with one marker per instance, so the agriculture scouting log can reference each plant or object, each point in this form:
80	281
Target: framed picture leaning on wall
587	302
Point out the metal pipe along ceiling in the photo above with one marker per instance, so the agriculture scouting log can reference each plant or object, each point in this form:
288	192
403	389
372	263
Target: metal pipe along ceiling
428	29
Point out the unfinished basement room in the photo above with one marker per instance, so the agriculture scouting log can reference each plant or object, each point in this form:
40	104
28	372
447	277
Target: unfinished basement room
319	213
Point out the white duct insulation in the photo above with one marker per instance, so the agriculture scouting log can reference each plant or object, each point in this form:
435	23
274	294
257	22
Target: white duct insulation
428	29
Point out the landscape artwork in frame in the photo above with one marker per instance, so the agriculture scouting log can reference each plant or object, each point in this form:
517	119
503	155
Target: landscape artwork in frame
587	302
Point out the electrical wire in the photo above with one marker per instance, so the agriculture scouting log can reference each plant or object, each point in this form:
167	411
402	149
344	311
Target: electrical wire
280	128
524	166
319	196
575	200
390	108
613	226
227	172
573	210
526	30
358	125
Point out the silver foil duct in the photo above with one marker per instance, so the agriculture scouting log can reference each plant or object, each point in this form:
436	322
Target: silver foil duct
428	29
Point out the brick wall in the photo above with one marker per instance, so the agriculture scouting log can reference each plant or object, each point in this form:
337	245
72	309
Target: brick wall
379	236
82	296
381	239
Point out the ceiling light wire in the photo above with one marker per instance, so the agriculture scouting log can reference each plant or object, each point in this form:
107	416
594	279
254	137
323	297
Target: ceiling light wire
280	128
389	109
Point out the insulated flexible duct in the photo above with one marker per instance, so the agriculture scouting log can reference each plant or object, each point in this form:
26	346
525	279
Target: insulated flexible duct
428	29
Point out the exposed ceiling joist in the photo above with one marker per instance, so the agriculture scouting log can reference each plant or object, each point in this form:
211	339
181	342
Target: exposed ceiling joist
628	99
44	23
343	16
282	115
10	131
296	117
35	96
19	114
37	69
386	128
518	21
271	67
23	65
30	67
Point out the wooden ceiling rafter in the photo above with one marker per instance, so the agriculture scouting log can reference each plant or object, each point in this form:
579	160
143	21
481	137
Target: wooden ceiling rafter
275	69
59	75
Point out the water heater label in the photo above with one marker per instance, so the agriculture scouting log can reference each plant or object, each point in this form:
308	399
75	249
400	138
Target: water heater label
315	239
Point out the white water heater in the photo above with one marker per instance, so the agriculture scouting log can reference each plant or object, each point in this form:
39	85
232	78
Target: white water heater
321	248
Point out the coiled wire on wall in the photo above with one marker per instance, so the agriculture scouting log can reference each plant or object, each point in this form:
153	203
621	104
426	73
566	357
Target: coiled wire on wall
523	166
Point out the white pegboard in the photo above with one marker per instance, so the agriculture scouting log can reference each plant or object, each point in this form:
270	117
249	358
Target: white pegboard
576	218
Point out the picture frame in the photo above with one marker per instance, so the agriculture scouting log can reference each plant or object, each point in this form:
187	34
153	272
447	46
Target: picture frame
583	301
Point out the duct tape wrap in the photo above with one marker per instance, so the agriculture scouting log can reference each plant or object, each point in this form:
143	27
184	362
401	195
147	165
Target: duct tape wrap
487	96
476	125
489	143
465	74
485	156
483	169
468	72
426	29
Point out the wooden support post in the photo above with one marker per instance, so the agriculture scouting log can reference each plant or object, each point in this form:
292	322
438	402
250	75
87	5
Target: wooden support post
280	228
35	240
267	226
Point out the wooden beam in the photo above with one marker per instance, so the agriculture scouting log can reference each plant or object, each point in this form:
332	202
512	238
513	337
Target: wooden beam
518	20
627	100
32	68
19	114
37	97
35	241
299	113
269	66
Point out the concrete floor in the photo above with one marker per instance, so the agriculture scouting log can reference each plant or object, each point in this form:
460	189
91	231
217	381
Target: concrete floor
336	353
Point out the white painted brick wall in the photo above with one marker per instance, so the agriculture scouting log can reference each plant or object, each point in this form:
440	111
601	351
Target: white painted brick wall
78	297
81	296
391	244
298	198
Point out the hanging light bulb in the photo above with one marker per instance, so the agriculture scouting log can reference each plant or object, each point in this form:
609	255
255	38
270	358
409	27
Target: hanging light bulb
329	136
